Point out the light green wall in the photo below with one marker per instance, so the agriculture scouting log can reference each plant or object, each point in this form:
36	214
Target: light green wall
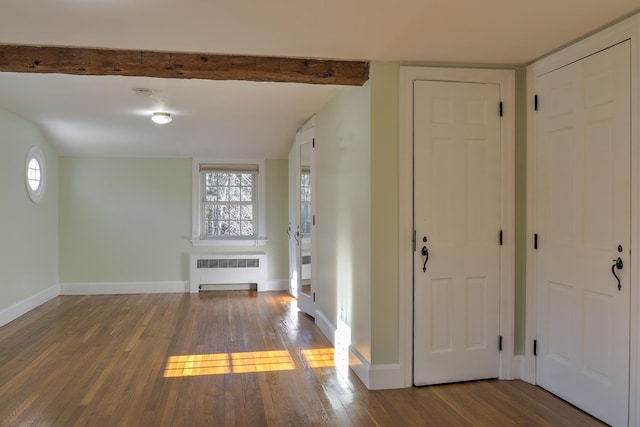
342	164
385	209
124	219
129	220
28	231
278	218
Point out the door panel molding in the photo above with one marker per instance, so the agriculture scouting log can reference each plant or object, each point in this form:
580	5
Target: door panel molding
506	81
628	29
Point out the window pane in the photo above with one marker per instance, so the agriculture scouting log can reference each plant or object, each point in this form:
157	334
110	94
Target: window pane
212	194
247	228
305	219
305	187
229	204
234	194
222	179
247	194
208	213
221	228
223	194
246	212
234	212
223	212
234	228
33	174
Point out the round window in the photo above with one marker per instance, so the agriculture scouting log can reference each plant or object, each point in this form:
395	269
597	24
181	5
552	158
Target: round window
35	174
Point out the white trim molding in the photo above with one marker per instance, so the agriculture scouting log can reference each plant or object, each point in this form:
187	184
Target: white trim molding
326	326
375	377
261	194
506	81
122	288
24	306
628	29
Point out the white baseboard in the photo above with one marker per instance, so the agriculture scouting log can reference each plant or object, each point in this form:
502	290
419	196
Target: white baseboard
16	310
516	367
276	285
326	326
376	377
360	366
123	288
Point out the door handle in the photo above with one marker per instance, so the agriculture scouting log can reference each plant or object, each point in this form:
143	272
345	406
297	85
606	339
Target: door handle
425	254
617	264
296	235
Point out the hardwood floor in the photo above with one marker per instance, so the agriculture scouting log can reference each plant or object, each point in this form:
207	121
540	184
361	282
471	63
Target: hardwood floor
247	359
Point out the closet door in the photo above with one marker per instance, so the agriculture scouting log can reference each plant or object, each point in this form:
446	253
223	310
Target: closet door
457	205
583	176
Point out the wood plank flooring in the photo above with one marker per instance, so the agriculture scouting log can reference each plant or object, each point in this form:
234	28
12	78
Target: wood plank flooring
247	359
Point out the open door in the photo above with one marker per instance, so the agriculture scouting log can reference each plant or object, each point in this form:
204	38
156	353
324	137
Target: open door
293	229
302	221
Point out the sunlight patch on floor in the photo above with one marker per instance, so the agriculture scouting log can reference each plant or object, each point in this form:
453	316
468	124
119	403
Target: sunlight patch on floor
228	363
319	357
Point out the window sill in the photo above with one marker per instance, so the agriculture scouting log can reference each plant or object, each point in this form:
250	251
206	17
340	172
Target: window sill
229	242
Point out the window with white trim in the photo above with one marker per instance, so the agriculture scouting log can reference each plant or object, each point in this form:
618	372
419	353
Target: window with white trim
230	202
35	174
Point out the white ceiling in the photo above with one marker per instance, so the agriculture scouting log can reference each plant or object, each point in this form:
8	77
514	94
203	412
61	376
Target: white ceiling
100	116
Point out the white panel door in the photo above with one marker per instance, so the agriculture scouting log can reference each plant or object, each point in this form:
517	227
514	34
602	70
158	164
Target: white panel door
583	224
457	174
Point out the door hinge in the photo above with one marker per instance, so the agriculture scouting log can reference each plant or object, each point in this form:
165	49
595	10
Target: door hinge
314	297
501	238
535	102
500	343
535	241
500	108
535	347
313	143
314	220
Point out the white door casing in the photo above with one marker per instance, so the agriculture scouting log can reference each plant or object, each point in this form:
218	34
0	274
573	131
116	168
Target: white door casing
582	220
505	79
457	220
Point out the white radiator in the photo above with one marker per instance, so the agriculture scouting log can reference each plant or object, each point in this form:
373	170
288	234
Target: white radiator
219	269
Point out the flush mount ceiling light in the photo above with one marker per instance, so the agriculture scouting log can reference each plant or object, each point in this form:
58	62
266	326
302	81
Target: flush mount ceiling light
161	118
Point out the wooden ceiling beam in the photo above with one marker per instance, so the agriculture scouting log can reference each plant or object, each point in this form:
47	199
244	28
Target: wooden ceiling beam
179	65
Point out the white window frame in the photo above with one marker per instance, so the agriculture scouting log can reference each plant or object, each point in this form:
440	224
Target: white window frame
260	237
35	153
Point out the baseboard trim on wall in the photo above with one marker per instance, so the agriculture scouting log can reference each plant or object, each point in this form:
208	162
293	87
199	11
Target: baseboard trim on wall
105	288
376	377
326	326
16	310
276	285
516	367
